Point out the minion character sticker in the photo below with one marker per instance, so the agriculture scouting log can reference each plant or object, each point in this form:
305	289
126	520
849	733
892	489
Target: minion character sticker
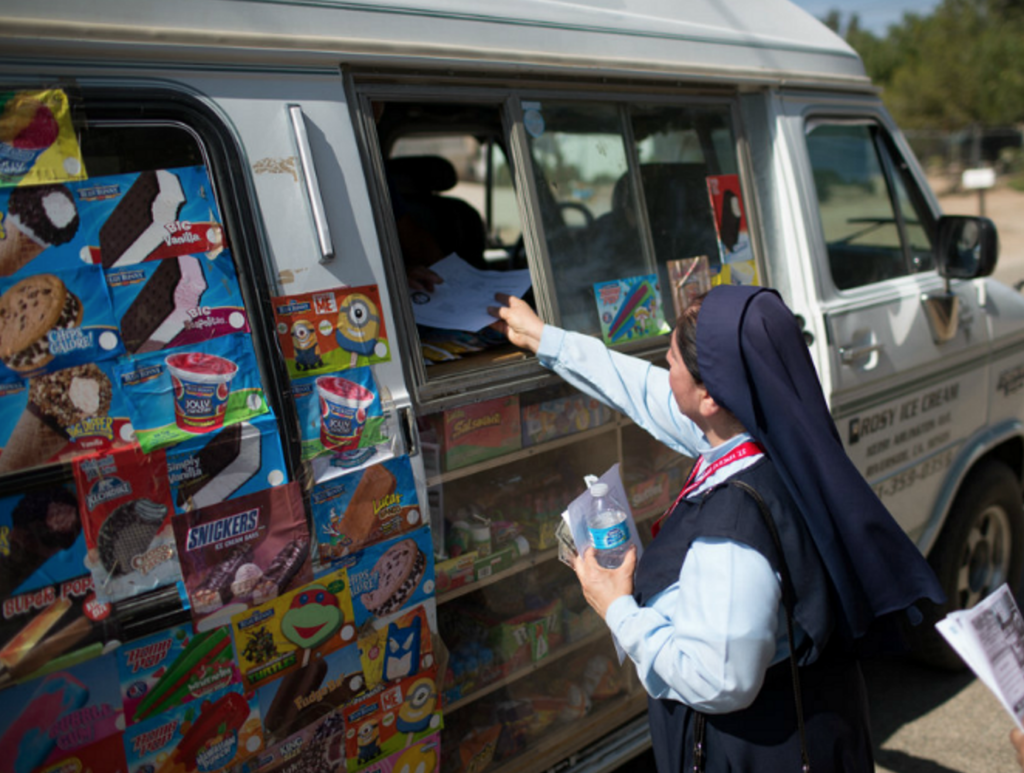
331	330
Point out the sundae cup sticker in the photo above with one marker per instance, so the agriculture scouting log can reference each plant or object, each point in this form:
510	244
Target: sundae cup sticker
339	412
242	553
38	144
208	734
176	394
238	460
115	222
176	302
331	330
64	711
293	630
61	415
630	309
124	498
55	320
168	668
364	507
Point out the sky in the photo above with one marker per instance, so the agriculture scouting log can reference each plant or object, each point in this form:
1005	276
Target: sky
875	15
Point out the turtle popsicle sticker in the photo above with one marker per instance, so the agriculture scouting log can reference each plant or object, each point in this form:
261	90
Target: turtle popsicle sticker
312	618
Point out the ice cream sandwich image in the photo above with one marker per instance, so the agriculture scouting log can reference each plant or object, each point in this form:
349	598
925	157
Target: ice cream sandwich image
127	532
226	463
38	217
29	310
398	571
159	312
136	227
55	401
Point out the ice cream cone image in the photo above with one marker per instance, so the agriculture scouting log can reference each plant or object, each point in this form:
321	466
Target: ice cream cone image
38	217
32	442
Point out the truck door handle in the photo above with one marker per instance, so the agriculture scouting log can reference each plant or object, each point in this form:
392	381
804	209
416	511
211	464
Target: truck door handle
316	201
847	354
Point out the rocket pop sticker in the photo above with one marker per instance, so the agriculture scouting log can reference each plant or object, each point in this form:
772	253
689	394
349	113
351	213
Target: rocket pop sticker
331	330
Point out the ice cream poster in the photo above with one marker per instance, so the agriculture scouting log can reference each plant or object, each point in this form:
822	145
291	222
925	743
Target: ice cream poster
399	645
37	139
176	394
53	321
238	460
317	746
388	576
106	756
125	502
331	330
738	266
65	710
366	506
242	553
290	631
339	412
212	734
176	302
41	539
172	667
114	221
61	415
310	692
630	309
424	756
391	719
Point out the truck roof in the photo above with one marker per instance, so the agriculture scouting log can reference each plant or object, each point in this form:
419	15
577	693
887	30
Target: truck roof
751	41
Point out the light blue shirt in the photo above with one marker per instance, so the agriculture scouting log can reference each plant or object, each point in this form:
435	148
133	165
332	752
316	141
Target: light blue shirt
708	639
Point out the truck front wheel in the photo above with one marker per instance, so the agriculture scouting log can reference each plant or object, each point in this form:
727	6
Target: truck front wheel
980	548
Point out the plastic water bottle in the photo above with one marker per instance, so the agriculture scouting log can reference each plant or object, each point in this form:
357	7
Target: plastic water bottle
608	527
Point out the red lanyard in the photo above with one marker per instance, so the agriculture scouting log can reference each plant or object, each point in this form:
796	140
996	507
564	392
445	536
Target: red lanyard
693	482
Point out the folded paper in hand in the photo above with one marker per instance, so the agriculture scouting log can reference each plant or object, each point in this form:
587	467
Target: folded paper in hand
990	639
572	533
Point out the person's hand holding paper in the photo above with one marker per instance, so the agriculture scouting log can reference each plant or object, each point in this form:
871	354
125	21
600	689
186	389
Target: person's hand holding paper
461	301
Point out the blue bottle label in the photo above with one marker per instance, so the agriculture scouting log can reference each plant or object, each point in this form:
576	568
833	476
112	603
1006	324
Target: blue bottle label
611	537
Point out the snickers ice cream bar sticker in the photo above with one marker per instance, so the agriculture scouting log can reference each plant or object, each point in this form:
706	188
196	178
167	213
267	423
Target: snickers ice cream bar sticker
113	221
238	460
331	330
176	302
55	320
176	394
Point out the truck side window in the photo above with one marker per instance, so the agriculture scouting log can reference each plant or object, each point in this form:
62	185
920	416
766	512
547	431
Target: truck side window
874	228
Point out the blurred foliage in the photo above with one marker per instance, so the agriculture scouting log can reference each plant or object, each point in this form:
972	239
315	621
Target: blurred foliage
960	66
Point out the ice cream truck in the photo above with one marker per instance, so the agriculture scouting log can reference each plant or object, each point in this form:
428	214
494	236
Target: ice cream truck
272	498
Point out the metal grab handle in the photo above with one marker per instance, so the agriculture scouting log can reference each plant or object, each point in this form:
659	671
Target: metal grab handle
850	353
316	201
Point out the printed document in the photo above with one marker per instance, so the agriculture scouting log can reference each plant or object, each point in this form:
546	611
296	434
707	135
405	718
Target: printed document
990	639
461	302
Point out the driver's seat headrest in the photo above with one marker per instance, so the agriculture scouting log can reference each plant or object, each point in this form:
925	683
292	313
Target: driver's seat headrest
422	175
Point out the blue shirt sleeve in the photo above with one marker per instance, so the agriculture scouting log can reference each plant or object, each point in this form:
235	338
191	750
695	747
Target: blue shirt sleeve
707	640
628	384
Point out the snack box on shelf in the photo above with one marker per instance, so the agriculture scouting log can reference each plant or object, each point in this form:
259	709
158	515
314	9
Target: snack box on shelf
455	572
526	638
561	416
479	431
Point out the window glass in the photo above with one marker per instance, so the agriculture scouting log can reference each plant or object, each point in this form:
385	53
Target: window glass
864	238
589	218
914	225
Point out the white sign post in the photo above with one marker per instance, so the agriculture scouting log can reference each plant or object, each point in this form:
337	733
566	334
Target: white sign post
980	180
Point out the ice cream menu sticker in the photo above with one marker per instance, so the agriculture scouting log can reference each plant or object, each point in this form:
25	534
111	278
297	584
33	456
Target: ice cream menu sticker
114	221
738	266
331	330
61	415
55	320
176	394
339	412
630	309
288	632
37	139
242	553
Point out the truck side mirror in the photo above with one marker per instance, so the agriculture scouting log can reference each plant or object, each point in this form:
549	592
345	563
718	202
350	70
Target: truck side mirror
968	247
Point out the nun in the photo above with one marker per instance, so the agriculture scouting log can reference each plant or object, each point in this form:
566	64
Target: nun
775	568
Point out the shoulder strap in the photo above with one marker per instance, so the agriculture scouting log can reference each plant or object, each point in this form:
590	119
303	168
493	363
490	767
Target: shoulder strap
787	602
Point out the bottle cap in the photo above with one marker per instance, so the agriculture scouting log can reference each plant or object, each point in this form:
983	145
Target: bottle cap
599	489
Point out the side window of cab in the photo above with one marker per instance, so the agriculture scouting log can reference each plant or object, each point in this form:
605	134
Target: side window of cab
876	224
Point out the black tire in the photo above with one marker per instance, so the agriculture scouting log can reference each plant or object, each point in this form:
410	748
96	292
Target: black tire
980	547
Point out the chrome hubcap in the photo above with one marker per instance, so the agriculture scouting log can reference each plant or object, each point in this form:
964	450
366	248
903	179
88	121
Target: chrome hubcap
985	560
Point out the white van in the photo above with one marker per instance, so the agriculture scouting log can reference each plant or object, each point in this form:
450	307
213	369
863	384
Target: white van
349	143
